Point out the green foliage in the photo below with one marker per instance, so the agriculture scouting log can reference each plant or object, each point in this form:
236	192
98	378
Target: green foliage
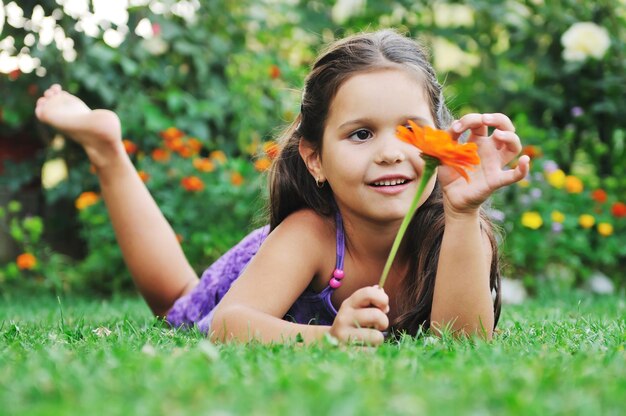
231	78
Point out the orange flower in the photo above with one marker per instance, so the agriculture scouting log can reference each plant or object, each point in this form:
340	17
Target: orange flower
573	185
262	164
143	176
274	71
618	210
271	149
180	238
236	179
175	144
160	155
172	133
599	195
194	144
192	184
438	144
130	147
186	152
203	164
218	156
26	261
86	199
532	151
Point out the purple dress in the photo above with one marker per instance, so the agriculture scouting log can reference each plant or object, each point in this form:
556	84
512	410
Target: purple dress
197	307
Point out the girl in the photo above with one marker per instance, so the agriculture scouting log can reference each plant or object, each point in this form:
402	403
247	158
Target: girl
338	192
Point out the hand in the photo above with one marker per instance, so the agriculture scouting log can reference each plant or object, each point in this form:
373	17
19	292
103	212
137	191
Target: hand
362	317
495	152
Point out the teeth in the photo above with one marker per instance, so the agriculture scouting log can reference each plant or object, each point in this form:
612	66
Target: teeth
390	183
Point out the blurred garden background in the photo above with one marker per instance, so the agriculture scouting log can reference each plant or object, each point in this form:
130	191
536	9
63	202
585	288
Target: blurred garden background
203	87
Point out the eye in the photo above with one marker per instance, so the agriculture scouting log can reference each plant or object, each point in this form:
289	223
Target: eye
360	135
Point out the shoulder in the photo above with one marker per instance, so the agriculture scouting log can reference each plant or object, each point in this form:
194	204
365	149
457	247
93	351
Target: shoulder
307	224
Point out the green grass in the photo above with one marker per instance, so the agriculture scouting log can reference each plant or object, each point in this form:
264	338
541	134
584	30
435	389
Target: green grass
552	356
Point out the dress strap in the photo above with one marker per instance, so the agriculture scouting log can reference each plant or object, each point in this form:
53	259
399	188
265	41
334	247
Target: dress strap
338	274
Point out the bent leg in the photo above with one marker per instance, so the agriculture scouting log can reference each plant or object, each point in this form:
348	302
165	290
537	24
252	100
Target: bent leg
148	244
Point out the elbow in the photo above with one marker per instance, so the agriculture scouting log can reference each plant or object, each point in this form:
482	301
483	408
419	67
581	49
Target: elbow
456	328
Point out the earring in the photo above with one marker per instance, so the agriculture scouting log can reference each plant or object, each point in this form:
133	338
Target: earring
320	184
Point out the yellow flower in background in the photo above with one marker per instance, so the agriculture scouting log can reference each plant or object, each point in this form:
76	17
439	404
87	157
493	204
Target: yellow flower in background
586	220
262	164
532	220
556	178
573	185
86	199
605	229
557	216
523	183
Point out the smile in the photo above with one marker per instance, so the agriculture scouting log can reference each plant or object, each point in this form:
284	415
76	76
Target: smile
392	182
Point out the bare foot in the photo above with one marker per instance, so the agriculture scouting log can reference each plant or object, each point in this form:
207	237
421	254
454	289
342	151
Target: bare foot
98	131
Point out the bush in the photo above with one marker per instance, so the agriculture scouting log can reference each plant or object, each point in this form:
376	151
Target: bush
229	74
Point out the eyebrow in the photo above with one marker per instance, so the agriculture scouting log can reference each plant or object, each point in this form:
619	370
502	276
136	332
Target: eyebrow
417	119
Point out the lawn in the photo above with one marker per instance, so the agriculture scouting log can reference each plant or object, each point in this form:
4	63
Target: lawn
562	355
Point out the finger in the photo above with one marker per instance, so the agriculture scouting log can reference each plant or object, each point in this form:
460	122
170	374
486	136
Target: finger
56	88
370	296
499	121
473	122
364	336
515	175
508	140
370	318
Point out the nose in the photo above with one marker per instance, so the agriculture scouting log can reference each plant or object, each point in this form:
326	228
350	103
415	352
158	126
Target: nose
390	150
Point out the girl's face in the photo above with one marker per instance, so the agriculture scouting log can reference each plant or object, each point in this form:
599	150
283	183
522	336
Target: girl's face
373	174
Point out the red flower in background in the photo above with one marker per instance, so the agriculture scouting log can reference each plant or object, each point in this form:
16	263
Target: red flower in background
599	195
618	210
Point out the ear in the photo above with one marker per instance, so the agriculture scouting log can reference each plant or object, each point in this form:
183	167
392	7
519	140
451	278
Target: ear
311	158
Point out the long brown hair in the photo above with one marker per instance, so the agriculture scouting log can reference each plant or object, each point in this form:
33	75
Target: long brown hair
292	187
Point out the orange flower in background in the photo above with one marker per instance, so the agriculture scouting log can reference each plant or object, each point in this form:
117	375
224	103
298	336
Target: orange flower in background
236	179
130	147
262	164
192	184
271	150
618	210
438	144
92	169
175	144
218	156
194	144
274	71
26	261
599	195
532	151
180	238
172	133
160	155
203	164
186	152
143	176
86	199
573	185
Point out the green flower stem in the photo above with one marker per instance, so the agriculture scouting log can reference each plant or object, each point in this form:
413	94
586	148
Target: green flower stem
429	171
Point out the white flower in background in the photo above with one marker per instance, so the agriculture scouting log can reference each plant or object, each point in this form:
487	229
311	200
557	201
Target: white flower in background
600	283
512	292
585	40
345	9
453	15
449	57
155	45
